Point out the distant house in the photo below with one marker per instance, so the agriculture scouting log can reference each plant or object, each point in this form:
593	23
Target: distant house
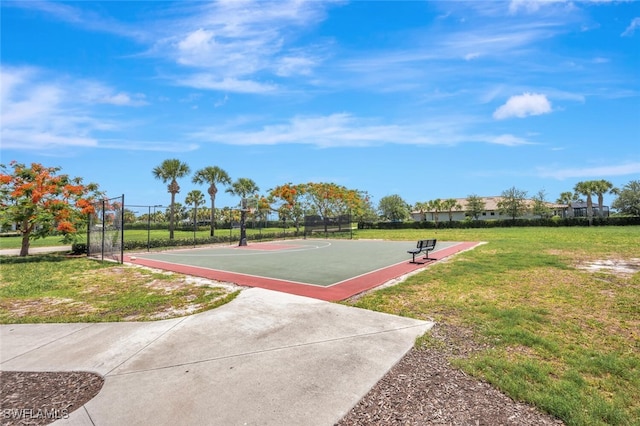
490	212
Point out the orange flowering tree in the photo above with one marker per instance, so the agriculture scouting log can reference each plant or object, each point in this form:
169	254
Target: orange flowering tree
325	198
41	202
292	207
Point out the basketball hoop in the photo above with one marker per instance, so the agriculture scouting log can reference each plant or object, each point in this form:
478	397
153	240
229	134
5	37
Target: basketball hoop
248	205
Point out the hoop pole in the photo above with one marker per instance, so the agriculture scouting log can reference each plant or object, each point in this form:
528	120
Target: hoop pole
122	232
103	223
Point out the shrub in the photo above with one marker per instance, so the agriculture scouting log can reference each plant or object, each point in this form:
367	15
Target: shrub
79	248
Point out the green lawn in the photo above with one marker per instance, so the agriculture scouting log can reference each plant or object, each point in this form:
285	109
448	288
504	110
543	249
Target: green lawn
559	337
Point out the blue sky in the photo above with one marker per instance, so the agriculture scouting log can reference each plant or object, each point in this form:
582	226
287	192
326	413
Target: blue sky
422	99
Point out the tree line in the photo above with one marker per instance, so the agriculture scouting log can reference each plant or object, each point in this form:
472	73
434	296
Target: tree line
514	202
291	201
41	201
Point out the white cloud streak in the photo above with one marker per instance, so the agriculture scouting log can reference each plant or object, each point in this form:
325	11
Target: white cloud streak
231	43
84	18
40	112
631	29
346	130
523	106
225	84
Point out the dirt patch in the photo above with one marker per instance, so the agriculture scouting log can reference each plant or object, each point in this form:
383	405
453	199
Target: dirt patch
52	305
95	290
622	267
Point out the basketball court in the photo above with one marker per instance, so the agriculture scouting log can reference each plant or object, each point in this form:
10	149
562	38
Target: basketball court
320	268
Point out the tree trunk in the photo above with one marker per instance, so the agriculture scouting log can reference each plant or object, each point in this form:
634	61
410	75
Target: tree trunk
24	250
171	215
212	193
601	205
589	209
174	188
243	228
26	232
213	216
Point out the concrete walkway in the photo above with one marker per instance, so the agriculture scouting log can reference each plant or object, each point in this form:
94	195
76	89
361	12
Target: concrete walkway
33	250
266	358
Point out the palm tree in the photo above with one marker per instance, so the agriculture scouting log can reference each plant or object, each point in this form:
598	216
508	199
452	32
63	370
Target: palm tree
567	198
170	171
243	187
195	197
212	175
421	207
601	187
587	188
436	207
451	204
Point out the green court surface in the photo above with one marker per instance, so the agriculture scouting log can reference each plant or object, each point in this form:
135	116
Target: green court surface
318	262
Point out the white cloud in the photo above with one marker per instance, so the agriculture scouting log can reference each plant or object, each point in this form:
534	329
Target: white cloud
92	92
523	106
346	130
591	172
221	102
324	131
530	6
151	146
24	139
294	65
631	29
83	18
197	48
227	84
507	140
40	111
230	42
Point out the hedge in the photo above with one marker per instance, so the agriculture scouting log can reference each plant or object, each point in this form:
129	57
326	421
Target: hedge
508	223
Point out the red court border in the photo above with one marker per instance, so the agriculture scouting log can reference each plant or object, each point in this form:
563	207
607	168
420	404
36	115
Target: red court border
340	291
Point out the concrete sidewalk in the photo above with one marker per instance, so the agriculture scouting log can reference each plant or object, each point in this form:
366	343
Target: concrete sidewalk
266	358
34	250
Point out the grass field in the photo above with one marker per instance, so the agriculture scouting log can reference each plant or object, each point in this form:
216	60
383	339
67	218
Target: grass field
556	332
560	337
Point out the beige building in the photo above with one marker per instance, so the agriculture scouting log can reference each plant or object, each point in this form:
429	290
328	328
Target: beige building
490	212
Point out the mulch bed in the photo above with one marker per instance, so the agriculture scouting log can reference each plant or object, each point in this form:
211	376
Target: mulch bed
422	389
40	398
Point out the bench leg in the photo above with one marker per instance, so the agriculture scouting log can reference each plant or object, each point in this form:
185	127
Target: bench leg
426	256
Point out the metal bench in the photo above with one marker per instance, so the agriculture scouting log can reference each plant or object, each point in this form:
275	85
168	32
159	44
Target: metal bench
422	246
